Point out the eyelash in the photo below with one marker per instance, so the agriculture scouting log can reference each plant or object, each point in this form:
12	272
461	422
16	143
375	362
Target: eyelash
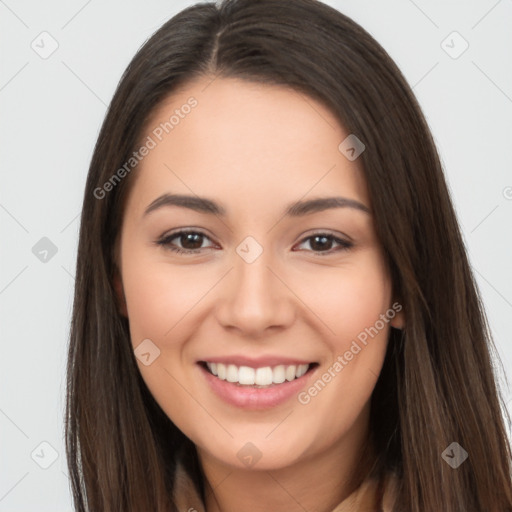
165	242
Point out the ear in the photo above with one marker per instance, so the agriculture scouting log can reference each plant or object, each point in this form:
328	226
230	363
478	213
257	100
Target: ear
120	298
398	321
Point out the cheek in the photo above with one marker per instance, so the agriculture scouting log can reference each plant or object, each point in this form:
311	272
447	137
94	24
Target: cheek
353	308
350	302
158	296
348	299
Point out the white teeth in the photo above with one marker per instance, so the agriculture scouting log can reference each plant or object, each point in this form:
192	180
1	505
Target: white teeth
232	373
221	371
265	376
301	370
290	372
246	375
279	374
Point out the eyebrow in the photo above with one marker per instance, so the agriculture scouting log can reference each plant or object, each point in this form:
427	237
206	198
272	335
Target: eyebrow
296	209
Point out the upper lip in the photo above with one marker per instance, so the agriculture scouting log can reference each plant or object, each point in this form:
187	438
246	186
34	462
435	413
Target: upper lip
256	362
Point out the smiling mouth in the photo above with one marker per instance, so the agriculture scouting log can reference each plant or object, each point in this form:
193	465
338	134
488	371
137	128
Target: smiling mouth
263	377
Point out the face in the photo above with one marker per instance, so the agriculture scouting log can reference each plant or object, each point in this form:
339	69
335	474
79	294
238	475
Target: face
251	273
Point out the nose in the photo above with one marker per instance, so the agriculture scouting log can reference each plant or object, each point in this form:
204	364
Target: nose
255	298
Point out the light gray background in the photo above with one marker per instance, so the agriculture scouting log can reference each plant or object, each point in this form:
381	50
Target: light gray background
51	111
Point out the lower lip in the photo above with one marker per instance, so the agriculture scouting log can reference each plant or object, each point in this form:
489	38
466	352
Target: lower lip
248	397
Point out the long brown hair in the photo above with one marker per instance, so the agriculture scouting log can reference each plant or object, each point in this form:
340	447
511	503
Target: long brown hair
437	384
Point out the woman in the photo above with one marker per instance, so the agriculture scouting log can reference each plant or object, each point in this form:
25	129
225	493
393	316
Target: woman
274	309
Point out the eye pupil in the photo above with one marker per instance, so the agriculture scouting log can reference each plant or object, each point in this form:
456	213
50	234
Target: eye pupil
321	245
194	238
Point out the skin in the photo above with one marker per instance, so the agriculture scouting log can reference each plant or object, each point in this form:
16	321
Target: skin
255	149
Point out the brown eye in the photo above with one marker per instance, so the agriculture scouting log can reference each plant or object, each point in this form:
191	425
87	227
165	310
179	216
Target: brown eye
323	243
189	241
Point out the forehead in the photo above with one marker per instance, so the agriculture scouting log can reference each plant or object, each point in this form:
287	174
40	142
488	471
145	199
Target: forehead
247	143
